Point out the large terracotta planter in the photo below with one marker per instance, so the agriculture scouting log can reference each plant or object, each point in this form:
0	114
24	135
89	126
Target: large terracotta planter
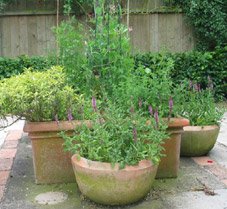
104	184
169	165
51	163
198	140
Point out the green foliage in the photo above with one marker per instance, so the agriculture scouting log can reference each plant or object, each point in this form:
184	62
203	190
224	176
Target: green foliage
3	4
78	7
118	138
10	67
97	57
150	84
209	18
39	96
197	105
71	39
108	49
196	66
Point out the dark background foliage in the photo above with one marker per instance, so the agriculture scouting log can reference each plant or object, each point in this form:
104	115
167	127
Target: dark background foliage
195	66
10	66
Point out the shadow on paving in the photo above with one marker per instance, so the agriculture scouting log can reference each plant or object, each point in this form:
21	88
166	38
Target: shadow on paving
168	193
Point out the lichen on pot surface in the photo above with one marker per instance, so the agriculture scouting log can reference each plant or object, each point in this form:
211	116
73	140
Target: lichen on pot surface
105	184
198	140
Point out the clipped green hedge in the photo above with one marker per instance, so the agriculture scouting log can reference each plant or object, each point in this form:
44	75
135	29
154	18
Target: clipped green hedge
195	66
10	66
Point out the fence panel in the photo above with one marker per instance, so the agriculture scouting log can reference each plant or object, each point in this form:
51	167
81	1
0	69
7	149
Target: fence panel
26	28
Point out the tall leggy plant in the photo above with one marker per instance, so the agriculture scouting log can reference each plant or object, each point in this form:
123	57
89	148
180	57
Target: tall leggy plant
108	48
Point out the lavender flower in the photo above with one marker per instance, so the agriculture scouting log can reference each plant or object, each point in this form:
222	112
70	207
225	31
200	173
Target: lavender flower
70	116
150	110
134	134
156	118
140	103
170	103
170	107
94	105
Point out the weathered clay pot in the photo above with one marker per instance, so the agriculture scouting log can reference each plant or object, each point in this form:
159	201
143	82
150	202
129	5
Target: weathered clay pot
198	140
51	163
104	184
169	165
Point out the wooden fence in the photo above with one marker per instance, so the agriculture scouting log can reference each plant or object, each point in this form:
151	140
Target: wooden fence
164	31
30	31
31	35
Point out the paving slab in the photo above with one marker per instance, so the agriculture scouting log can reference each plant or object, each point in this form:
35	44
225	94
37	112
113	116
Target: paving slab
16	126
186	191
202	183
222	137
198	200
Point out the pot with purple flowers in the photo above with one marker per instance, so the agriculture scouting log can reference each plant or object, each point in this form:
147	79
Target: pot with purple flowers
169	163
49	106
115	162
199	107
152	89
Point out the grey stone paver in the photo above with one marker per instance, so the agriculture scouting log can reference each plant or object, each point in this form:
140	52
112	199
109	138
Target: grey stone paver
199	200
222	137
185	192
16	126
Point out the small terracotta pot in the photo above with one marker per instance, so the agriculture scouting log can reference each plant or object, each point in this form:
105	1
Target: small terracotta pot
108	185
169	165
51	163
198	140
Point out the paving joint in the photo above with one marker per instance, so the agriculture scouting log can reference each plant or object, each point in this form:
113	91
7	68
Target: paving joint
213	167
7	154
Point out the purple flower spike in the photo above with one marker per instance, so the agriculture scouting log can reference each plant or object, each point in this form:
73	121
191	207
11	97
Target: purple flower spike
94	104
170	103
70	116
156	118
150	110
134	134
140	103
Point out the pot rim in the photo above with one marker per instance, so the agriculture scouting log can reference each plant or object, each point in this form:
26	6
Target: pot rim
104	166
201	128
51	126
177	122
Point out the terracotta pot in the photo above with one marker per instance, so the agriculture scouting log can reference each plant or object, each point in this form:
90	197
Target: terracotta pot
51	163
198	140
169	165
104	184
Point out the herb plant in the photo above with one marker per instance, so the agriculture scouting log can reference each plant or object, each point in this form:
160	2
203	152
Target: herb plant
97	57
197	105
118	138
150	85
